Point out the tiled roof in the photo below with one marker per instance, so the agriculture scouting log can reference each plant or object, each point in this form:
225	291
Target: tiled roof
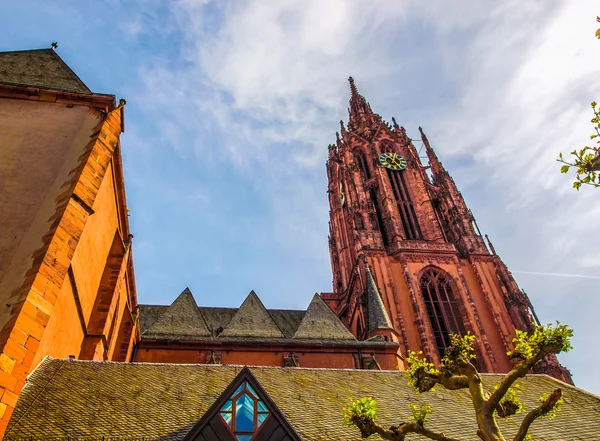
181	320
163	401
320	322
377	317
252	320
41	68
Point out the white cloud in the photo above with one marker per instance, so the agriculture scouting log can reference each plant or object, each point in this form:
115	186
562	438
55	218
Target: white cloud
506	84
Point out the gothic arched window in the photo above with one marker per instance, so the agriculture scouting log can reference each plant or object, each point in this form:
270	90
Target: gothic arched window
442	307
361	159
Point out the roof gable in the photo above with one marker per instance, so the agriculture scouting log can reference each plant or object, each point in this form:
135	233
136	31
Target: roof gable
320	322
252	320
41	68
182	319
212	425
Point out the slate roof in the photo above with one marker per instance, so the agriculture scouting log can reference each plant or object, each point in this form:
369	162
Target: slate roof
377	317
181	320
320	322
163	401
41	68
251	322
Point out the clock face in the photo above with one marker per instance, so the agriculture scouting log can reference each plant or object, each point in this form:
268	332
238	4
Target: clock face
393	161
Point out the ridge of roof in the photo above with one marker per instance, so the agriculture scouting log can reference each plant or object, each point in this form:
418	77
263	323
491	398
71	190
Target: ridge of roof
182	318
42	68
377	317
163	401
320	322
252	320
49	360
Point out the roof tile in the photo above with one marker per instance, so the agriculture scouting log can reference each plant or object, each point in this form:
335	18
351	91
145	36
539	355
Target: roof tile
41	68
163	401
252	320
320	322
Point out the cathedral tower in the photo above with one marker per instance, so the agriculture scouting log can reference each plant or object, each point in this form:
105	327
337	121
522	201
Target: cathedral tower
405	227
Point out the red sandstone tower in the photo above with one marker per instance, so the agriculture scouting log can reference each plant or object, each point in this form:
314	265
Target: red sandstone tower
405	227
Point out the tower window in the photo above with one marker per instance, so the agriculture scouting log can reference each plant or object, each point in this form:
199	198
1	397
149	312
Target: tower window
405	205
361	159
244	413
442	308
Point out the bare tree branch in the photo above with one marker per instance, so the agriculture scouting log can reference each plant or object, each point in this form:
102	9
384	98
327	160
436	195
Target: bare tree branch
398	433
542	409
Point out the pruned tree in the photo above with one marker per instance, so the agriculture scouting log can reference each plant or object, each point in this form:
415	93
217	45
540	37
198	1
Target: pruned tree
457	371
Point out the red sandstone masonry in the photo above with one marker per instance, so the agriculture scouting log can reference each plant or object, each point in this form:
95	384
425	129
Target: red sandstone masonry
34	300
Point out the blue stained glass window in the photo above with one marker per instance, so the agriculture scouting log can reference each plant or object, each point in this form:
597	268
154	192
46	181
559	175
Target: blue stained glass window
261	418
251	390
244	413
227	417
239	389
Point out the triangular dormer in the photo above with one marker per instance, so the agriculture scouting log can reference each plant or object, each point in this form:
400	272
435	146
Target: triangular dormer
181	319
321	323
243	412
252	320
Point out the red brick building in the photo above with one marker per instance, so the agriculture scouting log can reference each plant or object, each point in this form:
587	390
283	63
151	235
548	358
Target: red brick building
410	225
409	267
66	273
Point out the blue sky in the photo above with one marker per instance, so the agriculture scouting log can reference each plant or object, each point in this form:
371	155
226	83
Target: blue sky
231	106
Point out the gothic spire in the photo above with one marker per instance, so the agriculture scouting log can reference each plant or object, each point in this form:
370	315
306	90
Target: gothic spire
436	165
359	112
376	314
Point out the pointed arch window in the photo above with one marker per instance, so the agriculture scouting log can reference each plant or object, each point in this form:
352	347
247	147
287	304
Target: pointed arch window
361	159
244	413
442	307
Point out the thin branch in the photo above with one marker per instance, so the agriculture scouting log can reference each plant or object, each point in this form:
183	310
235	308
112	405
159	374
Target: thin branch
542	409
519	371
398	433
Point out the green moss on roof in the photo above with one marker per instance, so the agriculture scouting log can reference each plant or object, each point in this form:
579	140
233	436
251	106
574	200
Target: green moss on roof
163	401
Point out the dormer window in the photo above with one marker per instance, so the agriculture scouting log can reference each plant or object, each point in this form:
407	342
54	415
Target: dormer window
244	413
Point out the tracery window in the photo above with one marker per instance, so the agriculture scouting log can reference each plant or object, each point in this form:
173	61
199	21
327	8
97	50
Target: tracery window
244	413
361	159
410	222
442	307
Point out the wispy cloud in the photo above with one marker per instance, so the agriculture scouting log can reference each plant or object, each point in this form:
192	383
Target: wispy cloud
247	95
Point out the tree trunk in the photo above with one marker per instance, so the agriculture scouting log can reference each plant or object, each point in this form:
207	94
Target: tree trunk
488	429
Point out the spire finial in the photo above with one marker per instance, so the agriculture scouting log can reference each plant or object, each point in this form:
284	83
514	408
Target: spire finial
54	45
353	88
490	244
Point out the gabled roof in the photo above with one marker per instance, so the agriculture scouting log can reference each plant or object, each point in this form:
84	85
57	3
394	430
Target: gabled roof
287	320
211	423
180	320
252	320
377	317
89	400
320	322
41	68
